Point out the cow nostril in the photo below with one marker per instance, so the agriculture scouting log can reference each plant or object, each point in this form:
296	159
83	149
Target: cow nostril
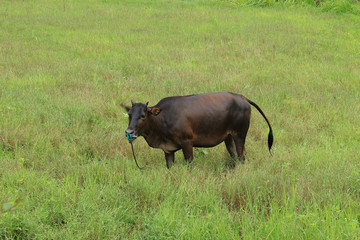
129	131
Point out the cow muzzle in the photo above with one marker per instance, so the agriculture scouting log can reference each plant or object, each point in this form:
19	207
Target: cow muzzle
130	135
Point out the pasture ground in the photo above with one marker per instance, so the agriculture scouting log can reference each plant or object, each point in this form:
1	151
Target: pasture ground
66	66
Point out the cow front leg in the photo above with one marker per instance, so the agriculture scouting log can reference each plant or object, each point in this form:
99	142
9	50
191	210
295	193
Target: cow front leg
170	158
187	148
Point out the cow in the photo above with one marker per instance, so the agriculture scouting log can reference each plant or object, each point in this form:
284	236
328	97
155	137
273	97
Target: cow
202	120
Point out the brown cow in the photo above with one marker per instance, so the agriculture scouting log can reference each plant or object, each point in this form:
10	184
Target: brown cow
203	120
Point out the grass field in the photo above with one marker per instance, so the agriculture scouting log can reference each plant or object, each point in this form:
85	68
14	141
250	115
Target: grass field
66	169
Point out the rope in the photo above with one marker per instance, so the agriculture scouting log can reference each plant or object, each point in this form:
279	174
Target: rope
129	138
132	148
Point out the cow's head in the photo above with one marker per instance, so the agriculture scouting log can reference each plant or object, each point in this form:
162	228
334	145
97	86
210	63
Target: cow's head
139	114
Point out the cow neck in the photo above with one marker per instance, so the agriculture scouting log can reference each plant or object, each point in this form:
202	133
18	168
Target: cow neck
152	133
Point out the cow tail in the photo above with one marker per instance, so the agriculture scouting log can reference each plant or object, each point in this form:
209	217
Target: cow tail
270	136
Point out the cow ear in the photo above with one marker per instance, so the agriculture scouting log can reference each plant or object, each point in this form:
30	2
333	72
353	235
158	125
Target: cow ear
154	110
127	108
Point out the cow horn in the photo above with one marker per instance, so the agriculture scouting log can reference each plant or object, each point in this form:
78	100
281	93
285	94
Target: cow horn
132	102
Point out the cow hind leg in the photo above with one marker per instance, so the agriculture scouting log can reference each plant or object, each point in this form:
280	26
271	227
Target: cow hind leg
239	139
240	148
187	148
231	147
170	158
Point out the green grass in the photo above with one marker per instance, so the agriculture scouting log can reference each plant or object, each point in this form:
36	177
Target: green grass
334	6
66	66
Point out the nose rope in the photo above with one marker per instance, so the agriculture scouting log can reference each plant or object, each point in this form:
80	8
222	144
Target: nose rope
130	139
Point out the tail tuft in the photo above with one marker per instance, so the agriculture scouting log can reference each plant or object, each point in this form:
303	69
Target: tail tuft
270	140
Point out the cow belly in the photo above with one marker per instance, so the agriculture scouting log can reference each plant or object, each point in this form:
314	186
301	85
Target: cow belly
168	147
209	140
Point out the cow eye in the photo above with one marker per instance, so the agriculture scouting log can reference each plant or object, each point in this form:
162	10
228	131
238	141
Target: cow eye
142	116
